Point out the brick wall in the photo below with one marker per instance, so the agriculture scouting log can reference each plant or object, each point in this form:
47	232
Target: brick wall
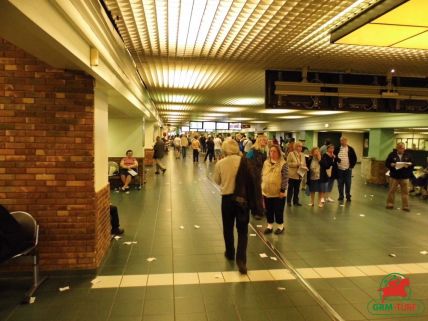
47	157
103	227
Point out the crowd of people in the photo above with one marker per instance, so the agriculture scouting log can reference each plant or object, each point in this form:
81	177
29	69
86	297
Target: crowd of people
259	176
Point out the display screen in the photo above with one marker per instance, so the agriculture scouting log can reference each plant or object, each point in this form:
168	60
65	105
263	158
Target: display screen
196	125
209	125
185	129
222	126
235	126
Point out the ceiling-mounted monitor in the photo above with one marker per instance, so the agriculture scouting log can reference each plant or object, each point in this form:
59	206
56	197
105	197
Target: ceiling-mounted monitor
209	125
222	126
195	125
185	129
235	126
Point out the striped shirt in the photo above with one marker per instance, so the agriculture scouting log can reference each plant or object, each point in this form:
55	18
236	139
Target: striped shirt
344	159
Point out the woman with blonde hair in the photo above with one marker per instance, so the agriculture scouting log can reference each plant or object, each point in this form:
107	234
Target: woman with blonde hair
314	176
296	170
274	189
256	158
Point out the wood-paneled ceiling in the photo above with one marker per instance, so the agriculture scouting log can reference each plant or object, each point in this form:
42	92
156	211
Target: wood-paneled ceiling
205	59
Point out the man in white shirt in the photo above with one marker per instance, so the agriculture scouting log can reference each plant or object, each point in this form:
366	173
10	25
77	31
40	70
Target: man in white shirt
177	146
217	147
225	172
346	160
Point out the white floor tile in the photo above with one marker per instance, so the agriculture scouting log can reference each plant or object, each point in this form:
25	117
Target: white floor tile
413	268
160	279
210	277
370	270
186	278
308	273
235	276
328	272
392	268
281	274
134	280
423	265
111	281
349	271
260	275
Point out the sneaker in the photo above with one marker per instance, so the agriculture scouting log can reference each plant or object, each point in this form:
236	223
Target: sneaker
279	231
322	200
320	205
268	231
329	199
117	231
311	204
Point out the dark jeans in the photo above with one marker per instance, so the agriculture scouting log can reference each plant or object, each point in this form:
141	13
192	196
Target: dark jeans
293	190
275	209
344	178
195	155
230	212
114	217
183	151
210	154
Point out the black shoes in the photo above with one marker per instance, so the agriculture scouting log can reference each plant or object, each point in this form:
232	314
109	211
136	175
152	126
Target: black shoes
117	231
268	231
229	257
163	171
242	267
157	173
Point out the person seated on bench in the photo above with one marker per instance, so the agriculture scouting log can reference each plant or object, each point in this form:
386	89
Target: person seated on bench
12	237
114	220
127	164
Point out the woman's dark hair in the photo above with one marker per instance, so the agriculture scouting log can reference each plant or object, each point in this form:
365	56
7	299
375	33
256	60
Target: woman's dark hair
129	151
277	149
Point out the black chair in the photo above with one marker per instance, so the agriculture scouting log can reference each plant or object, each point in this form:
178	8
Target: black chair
31	230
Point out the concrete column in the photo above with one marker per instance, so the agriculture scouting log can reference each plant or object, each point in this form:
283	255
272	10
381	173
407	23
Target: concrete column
308	136
100	135
381	142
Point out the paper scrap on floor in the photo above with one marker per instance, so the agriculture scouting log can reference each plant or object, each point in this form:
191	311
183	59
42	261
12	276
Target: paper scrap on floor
263	255
273	258
196	226
32	300
151	259
66	288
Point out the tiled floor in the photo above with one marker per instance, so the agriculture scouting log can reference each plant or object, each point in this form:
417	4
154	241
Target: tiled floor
176	219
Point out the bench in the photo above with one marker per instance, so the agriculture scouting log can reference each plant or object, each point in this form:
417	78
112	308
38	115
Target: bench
31	230
137	181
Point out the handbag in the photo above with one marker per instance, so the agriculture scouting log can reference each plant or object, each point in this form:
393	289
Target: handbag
329	171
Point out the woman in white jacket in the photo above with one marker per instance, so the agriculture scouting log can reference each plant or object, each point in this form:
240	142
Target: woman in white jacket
274	189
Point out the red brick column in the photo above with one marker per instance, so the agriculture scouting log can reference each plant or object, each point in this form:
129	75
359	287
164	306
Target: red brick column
47	158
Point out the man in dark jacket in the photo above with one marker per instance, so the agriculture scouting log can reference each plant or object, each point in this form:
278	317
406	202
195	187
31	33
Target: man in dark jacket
159	152
12	237
400	165
346	160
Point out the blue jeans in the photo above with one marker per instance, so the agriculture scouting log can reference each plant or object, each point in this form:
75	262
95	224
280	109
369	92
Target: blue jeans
183	151
344	178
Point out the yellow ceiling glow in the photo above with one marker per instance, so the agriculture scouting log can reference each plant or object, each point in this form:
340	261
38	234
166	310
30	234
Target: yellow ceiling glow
380	35
389	23
277	111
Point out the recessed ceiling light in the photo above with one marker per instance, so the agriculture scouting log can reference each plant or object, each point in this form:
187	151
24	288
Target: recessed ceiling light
253	101
227	109
277	111
323	112
292	117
